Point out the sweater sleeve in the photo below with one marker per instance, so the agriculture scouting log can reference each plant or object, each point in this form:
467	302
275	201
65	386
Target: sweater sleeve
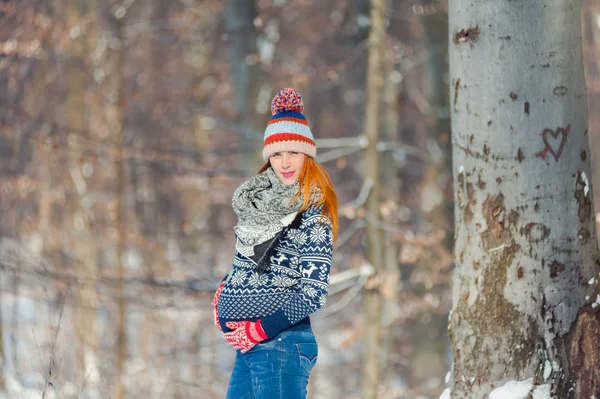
315	238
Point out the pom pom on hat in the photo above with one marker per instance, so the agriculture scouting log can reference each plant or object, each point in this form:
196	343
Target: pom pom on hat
287	100
288	129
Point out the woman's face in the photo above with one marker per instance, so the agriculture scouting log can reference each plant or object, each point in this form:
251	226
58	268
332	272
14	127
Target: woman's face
287	165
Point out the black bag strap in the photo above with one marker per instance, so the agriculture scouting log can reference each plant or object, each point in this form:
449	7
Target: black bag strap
263	263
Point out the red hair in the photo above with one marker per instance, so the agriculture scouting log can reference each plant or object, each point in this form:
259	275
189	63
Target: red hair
311	175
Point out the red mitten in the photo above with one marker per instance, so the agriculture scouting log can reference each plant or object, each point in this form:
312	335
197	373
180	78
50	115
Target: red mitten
245	334
214	303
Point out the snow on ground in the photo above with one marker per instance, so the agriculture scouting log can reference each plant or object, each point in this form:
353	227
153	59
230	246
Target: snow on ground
445	394
513	390
542	392
521	390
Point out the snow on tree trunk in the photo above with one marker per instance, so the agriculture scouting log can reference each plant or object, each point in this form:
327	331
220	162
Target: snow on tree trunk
525	240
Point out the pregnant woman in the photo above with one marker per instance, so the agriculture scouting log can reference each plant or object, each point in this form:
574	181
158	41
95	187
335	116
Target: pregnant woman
287	224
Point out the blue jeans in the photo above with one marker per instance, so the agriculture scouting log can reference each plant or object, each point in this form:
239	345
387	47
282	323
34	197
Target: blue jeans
275	369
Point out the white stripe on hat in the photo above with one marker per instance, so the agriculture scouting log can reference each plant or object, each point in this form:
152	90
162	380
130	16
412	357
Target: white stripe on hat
288	127
289	145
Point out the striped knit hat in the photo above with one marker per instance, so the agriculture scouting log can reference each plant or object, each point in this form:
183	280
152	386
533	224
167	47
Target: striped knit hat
288	129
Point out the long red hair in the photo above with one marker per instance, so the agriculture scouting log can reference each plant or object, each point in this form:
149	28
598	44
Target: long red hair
311	175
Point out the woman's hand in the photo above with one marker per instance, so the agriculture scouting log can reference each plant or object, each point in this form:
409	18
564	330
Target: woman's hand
245	335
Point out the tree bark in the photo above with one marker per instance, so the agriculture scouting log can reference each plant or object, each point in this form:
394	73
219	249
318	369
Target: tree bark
525	240
373	301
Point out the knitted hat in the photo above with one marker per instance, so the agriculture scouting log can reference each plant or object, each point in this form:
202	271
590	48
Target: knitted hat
288	129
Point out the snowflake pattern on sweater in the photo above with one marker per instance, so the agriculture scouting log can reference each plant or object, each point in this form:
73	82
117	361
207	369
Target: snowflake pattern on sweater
295	284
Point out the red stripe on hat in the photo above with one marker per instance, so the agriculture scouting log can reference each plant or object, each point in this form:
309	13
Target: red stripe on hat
288	119
287	137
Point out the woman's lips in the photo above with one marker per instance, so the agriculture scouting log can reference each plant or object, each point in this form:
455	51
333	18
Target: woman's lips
287	175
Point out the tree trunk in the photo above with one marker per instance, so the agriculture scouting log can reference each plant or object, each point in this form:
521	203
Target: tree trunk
83	243
245	71
117	126
525	240
373	301
590	10
428	362
2	353
391	192
591	36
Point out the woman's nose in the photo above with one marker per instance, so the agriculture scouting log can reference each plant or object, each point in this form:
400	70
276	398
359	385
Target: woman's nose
285	160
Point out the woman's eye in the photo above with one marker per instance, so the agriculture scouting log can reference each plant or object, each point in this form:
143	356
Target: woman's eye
294	152
276	154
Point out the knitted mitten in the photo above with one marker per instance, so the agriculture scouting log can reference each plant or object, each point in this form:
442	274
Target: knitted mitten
245	334
214	303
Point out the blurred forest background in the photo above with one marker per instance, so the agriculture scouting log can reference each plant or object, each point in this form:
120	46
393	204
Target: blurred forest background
126	125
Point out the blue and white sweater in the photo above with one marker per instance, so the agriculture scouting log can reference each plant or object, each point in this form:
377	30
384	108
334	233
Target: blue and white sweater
295	284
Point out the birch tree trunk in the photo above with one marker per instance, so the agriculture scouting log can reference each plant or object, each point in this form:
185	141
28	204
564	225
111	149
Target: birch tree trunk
525	240
373	300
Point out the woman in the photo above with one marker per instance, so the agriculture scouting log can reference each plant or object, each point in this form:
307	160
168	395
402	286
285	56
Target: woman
287	223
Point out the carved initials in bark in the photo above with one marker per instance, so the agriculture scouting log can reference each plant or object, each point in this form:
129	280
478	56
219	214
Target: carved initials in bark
550	139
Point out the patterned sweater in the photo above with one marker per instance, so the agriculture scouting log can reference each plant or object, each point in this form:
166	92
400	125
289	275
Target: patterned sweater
294	286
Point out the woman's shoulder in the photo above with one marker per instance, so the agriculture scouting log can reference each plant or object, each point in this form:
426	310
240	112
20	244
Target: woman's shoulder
314	215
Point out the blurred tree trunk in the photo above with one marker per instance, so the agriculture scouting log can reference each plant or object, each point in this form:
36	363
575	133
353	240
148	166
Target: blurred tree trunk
117	118
246	74
525	252
83	242
15	286
373	301
590	13
428	363
391	194
591	36
2	353
147	177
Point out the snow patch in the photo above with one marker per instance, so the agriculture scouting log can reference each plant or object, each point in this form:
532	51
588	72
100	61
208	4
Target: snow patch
591	281
446	394
547	370
461	169
542	392
513	390
586	188
447	378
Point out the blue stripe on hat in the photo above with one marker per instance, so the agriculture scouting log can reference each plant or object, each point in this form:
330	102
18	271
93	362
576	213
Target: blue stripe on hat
288	115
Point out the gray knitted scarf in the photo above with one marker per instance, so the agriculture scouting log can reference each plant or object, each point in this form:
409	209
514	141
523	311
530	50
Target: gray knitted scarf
264	206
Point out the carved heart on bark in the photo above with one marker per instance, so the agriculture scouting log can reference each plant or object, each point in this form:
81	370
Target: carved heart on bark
555	140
